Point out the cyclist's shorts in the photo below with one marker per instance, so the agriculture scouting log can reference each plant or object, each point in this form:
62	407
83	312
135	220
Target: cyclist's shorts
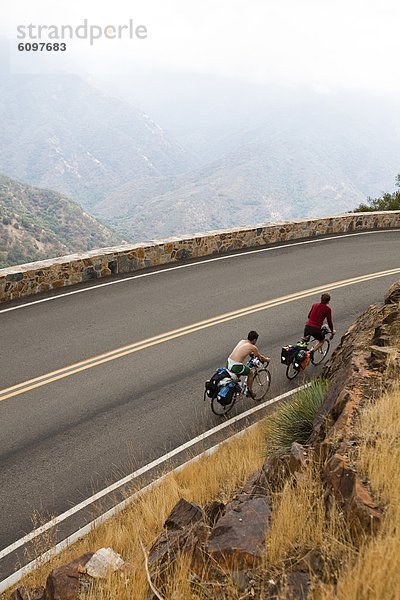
318	334
237	368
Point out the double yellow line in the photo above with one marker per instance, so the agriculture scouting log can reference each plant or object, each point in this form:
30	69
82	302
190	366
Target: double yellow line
95	361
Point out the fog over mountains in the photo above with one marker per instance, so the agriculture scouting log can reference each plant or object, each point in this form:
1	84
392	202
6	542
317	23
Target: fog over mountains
212	154
61	133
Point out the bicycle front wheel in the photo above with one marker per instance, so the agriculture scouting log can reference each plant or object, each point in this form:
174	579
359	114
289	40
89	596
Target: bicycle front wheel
320	354
291	371
222	409
261	384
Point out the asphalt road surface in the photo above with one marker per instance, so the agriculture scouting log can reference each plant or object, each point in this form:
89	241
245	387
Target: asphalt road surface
71	436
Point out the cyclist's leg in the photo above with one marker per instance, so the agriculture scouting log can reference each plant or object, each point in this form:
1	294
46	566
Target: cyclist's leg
240	369
250	379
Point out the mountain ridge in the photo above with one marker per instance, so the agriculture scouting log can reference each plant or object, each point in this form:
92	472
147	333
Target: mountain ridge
38	223
61	133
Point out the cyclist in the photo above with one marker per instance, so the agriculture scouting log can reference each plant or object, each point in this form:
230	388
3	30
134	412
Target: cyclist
317	315
235	362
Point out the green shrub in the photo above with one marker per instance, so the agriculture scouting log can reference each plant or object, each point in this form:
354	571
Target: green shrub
386	202
293	421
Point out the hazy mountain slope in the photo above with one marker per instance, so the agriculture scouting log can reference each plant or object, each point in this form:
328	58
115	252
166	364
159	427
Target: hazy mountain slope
57	131
298	163
38	223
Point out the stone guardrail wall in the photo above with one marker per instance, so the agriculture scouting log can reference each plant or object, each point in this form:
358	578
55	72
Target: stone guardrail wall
32	278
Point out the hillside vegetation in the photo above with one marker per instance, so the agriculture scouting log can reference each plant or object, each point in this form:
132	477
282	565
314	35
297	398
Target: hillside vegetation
38	223
386	202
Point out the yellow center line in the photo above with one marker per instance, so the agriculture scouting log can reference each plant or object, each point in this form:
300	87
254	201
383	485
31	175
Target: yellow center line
95	361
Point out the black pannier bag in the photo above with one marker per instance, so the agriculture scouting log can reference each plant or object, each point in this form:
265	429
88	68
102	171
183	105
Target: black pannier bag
212	384
287	354
300	357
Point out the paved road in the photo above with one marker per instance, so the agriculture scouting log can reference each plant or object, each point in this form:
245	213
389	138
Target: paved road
64	440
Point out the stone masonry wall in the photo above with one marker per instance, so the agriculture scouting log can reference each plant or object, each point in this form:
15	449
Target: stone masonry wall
32	278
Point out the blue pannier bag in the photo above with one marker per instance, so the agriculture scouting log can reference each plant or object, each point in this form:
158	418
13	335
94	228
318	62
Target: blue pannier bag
225	394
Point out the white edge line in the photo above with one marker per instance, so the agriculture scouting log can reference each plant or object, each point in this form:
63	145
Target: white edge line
9	581
194	264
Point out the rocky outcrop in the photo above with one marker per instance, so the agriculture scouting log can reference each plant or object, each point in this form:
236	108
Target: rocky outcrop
24	280
363	514
217	539
221	539
365	364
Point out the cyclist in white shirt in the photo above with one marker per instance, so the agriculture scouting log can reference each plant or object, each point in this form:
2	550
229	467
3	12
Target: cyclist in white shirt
243	349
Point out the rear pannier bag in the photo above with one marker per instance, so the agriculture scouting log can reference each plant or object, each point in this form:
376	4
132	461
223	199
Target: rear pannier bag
306	360
300	359
287	354
212	384
225	394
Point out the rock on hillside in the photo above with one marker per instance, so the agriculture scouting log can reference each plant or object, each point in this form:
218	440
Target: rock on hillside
37	223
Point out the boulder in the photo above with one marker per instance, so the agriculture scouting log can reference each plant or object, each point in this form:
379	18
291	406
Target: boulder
103	562
184	532
213	510
355	372
297	460
363	514
273	474
172	543
237	540
63	582
382	356
184	513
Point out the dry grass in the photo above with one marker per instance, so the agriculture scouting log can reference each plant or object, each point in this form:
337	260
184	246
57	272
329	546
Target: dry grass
299	523
298	519
375	574
215	476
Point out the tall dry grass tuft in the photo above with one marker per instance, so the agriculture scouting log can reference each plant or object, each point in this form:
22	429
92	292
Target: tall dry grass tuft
375	573
298	518
301	522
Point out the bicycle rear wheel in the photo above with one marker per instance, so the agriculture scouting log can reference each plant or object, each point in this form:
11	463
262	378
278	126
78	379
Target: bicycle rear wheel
291	371
261	384
321	353
220	409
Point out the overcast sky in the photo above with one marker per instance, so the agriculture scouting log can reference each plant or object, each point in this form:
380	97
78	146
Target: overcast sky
327	45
